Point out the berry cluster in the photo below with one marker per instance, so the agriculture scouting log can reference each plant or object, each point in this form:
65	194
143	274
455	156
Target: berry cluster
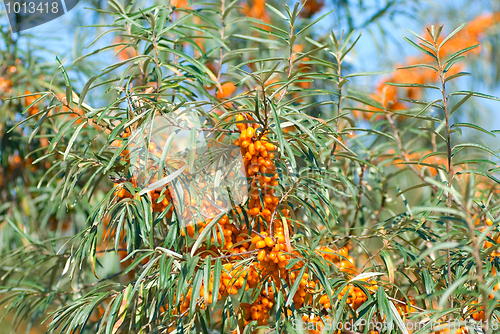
161	197
264	240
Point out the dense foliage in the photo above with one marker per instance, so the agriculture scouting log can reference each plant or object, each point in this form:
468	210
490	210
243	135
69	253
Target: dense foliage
230	172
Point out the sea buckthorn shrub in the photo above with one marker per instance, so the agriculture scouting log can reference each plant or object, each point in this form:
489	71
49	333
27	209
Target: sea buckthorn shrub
362	210
23	160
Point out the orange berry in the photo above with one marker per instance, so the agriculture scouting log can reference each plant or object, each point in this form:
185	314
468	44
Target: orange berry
254	211
251	149
262	255
256	239
261	244
269	242
227	89
258	145
270	147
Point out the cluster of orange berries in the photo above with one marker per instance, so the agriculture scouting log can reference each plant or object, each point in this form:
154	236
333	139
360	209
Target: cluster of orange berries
356	296
256	9
6	83
479	315
339	257
461	330
404	308
273	253
386	95
16	166
257	158
6	86
29	100
267	253
471	34
264	241
232	277
494	255
259	310
15	161
161	198
314	323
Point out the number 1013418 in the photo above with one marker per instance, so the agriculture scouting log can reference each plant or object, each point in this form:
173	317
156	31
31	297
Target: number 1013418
15	7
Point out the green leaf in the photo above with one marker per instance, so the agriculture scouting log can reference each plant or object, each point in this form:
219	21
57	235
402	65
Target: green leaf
457	75
281	141
282	33
204	233
72	140
473	126
277	12
313	22
419	48
475	161
445	154
24	235
481	95
386	257
29	107
422	39
383	304
344	53
163	181
295	286
257	39
430	104
419	66
456	54
397	317
462	101
64	128
416	186
362	74
412	85
67	82
217	276
438	246
473	145
114	312
449	291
